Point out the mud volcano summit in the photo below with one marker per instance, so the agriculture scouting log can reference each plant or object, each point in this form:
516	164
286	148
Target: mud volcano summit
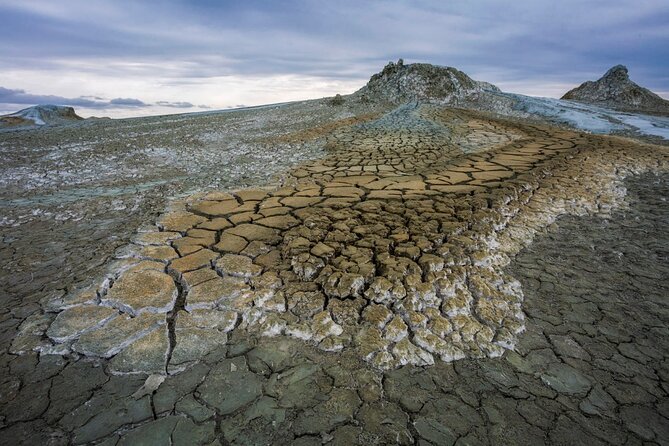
616	90
40	115
428	260
399	83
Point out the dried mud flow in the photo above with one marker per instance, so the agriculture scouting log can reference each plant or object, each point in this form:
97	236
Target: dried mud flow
409	275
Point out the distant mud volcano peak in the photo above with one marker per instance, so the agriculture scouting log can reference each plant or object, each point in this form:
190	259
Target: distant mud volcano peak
398	82
616	90
40	115
618	73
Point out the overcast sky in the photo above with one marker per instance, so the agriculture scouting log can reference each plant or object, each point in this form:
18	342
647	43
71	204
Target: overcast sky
129	58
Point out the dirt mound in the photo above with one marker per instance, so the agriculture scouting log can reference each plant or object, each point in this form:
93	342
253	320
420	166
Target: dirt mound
40	115
616	90
399	83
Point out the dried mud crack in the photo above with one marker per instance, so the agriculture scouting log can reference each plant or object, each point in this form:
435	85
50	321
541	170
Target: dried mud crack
376	297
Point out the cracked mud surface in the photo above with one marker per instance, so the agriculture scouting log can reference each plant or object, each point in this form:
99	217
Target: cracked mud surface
440	277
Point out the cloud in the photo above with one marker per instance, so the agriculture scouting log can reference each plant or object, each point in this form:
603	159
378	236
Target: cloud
127	102
21	97
18	96
175	104
225	53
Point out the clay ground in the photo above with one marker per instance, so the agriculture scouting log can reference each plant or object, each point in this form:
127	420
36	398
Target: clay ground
414	275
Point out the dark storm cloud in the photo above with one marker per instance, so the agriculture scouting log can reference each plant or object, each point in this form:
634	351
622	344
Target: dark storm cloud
532	42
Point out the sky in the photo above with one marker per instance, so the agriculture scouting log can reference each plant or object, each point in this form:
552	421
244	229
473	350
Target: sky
127	58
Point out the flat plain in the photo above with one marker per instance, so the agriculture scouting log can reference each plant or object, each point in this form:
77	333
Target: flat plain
320	273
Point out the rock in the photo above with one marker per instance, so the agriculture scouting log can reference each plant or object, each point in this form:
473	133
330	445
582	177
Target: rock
193	278
300	202
142	266
230	386
220	320
346	191
300	386
268	409
431	263
368	341
434	344
396	330
187	432
75	321
215	224
155	238
223	291
567	347
107	410
271	325
645	422
153	433
217	208
29	403
256	249
566	379
247	195
346	435
383	291
322	250
334	343
322	326
407	353
31	333
347	311
279	222
598	403
72	387
195	410
142	291
340	407
377	315
151	384
148	354
179	221
237	266
191	262
342	285
387	421
270	300
383	360
190	245
277	355
336	100
252	232
109	339
161	254
434	432
231	243
78	296
192	344
306	266
306	304
218	195
175	387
